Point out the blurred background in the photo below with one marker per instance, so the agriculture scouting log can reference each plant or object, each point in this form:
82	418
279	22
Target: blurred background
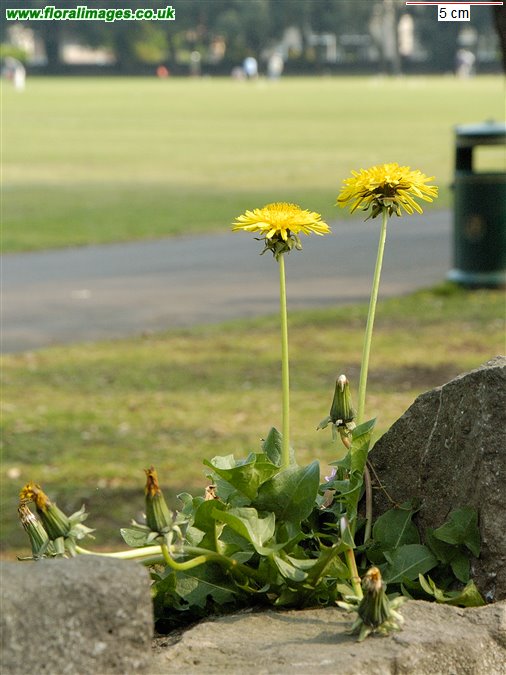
131	132
232	103
214	37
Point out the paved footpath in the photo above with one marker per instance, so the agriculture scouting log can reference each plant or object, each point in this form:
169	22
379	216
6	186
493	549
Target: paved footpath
118	290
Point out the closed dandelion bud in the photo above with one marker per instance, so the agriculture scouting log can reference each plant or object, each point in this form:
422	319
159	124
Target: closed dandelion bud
341	410
34	529
158	515
55	522
374	608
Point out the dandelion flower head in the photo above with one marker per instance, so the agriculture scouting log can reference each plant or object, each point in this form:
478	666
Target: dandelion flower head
387	187
279	225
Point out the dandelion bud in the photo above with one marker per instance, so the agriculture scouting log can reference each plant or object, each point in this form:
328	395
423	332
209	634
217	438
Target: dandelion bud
374	609
55	522
158	514
34	529
341	410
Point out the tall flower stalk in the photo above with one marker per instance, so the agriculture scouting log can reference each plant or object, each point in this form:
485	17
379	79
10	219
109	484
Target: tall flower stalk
366	350
285	367
385	189
279	225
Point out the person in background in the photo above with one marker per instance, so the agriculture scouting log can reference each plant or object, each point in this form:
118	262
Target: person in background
250	67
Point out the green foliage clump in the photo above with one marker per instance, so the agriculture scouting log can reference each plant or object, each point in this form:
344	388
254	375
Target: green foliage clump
268	535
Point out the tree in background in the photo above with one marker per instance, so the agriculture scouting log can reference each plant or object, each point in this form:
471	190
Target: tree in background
500	25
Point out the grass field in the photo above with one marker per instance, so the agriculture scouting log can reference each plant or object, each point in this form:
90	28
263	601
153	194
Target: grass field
85	420
96	160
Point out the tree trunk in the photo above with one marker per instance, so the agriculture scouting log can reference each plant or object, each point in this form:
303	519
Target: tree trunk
500	26
50	35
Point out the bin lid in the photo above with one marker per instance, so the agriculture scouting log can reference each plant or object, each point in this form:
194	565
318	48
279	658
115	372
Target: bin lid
482	130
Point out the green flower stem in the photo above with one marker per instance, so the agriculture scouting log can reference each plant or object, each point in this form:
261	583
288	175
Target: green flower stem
159	553
203	555
184	566
370	320
232	564
217	531
355	577
364	370
285	375
131	554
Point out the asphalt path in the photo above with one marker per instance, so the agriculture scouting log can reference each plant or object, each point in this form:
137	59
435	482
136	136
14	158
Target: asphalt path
118	290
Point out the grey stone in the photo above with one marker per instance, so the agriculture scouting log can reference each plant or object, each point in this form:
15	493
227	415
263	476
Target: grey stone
449	450
436	640
88	615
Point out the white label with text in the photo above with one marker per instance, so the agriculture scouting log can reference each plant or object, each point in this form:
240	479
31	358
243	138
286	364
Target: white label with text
454	12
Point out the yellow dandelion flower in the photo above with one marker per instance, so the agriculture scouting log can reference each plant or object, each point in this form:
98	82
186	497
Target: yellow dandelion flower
281	219
387	187
280	224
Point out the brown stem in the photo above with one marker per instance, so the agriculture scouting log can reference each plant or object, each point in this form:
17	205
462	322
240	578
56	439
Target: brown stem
381	486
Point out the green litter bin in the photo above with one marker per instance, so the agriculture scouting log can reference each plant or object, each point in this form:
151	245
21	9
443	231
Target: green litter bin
479	216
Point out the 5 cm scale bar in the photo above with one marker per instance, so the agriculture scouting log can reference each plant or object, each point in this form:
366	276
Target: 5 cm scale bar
448	4
452	11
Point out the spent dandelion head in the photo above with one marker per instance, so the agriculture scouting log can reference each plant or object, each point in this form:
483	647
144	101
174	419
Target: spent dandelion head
280	224
32	492
38	536
386	187
377	613
55	522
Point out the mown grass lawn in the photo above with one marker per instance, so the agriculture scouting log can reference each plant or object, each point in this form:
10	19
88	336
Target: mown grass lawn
89	160
85	420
